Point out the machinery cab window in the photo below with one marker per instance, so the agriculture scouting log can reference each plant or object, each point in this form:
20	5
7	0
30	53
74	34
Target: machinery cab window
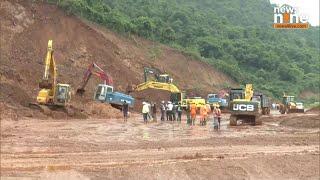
102	91
62	93
236	94
288	99
212	96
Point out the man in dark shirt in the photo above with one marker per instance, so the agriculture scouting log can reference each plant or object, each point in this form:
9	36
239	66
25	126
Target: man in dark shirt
163	110
179	110
154	112
125	110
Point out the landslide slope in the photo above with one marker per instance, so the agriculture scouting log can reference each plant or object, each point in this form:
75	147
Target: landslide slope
26	28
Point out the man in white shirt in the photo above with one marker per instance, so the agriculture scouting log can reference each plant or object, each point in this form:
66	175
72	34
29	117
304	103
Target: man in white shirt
145	112
170	107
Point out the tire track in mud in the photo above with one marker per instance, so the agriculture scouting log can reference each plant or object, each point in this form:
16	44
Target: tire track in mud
110	159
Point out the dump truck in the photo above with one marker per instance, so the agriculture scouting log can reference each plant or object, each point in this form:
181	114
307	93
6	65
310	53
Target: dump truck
214	100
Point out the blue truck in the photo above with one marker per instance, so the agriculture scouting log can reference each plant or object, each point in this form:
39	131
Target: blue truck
214	99
104	93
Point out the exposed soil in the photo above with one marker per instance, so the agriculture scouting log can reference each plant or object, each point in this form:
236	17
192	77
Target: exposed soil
26	28
300	121
93	142
314	110
110	149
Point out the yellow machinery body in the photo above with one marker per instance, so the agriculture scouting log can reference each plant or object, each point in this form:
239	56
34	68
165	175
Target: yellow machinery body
159	81
289	105
180	97
248	94
52	93
157	85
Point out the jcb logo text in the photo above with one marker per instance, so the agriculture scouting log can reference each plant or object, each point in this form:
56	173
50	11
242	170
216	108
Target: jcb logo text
243	107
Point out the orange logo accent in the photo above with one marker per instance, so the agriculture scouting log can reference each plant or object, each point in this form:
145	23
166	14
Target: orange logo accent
286	17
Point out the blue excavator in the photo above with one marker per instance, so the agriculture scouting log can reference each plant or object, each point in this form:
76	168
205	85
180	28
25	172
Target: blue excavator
104	92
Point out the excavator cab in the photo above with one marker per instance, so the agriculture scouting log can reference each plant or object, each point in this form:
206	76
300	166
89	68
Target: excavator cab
63	94
287	99
101	92
236	94
164	78
158	77
178	97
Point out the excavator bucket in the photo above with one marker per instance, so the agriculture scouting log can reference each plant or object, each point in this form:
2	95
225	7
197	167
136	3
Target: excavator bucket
45	84
80	91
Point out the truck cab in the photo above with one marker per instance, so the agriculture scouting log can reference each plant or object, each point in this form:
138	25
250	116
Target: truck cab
213	100
104	93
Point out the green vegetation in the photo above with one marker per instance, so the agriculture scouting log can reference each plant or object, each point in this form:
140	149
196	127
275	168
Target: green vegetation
236	36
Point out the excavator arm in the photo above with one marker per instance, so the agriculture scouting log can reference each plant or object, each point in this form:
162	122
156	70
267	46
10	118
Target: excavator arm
157	85
89	72
248	93
49	78
160	81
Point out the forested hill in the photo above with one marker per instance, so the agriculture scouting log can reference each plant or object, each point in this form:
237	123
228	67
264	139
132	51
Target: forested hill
236	36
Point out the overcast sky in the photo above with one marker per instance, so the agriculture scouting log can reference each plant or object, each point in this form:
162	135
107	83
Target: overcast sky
309	8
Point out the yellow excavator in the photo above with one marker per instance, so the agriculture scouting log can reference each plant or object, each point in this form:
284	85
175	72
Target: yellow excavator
52	94
247	106
165	82
160	81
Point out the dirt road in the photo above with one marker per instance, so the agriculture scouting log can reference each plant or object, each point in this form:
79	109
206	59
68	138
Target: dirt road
109	149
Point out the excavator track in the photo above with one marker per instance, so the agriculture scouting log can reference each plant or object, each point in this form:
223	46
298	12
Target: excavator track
42	108
48	109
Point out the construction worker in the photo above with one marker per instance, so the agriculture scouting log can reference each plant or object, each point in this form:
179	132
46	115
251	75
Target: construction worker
179	110
149	113
125	110
145	112
170	108
163	110
208	112
174	111
167	112
154	112
193	113
188	113
204	114
217	115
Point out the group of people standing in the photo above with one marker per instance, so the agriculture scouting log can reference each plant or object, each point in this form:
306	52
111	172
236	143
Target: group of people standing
170	111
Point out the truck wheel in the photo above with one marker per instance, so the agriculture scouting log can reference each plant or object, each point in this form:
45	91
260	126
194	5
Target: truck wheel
264	111
233	120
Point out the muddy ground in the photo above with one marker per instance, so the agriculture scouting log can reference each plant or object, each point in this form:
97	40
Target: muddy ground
99	145
110	149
